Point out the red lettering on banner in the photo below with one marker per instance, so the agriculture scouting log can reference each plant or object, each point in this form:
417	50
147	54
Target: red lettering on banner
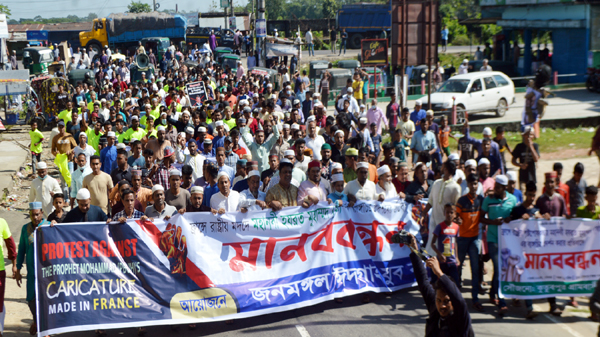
346	229
373	239
288	253
328	246
575	260
238	262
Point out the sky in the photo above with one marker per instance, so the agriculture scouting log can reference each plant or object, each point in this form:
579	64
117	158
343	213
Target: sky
61	8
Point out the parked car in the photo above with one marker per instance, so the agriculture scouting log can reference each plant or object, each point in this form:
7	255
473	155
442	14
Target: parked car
507	68
474	92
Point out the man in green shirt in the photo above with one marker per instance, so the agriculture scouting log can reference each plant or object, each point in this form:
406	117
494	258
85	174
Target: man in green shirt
351	161
66	115
36	137
26	253
497	206
94	135
591	210
134	131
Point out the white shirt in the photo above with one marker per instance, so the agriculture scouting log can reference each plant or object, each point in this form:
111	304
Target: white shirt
353	103
88	151
387	194
463	69
229	203
459	174
486	68
248	200
40	191
365	192
308	37
196	162
315	145
303	165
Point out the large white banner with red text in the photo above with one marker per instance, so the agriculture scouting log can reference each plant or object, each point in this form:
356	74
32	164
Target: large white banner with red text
540	258
202	267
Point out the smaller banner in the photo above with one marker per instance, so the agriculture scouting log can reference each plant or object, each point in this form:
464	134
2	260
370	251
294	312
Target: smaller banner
374	52
276	49
261	28
540	259
197	93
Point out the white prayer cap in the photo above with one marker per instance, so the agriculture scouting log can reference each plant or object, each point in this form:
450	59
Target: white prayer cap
160	128
471	162
201	129
310	119
42	165
286	126
289	153
244	102
487	131
111	134
148	105
269	85
349	90
157	188
83	194
363	120
502	179
429	112
336	165
512	175
222	174
186	113
526	129
121	146
255	95
189	130
339	131
295	126
219	123
465	61
418	102
383	170
453	156
135	118
182	134
337	177
362	106
254	173
362	164
175	173
197	189
483	161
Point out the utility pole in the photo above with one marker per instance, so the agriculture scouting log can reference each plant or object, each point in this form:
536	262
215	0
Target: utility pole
154	5
261	41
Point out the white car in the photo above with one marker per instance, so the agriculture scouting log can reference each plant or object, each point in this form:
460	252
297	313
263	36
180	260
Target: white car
474	92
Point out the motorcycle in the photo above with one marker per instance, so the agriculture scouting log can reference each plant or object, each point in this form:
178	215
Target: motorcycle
593	81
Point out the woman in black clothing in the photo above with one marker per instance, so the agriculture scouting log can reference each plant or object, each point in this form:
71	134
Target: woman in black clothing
419	188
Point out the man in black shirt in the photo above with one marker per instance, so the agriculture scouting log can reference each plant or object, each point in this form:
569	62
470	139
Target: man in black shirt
333	39
525	156
58	215
448	313
344	37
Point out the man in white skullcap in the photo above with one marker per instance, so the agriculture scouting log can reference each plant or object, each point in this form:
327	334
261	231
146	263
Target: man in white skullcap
484	169
196	197
338	148
443	191
252	199
471	168
512	186
175	195
43	188
459	177
313	140
227	200
361	188
384	185
160	209
85	211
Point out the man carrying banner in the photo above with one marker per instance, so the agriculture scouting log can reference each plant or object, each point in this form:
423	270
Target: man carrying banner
195	205
226	200
160	209
129	211
361	188
311	191
252	199
283	194
26	254
85	211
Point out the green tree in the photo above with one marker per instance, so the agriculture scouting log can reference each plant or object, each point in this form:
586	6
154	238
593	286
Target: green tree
138	7
91	17
5	10
330	8
275	9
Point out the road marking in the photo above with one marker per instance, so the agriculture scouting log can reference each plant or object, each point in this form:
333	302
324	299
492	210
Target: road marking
304	333
564	326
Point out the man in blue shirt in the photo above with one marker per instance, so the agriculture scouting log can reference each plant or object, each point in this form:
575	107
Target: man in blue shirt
417	115
498	207
444	38
423	141
108	155
494	151
211	170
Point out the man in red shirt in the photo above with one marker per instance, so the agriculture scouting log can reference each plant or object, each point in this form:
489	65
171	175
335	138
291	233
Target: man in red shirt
560	188
401	181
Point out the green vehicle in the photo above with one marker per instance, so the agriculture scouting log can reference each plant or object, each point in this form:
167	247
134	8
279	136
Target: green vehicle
158	45
81	75
348	64
230	60
220	51
381	81
37	60
315	71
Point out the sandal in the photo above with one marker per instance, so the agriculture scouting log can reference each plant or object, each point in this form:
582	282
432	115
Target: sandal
502	310
33	329
477	306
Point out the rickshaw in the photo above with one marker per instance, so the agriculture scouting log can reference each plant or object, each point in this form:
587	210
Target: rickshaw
81	75
47	97
158	45
37	60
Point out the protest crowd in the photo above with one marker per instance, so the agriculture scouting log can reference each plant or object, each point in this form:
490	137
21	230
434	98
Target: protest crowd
147	150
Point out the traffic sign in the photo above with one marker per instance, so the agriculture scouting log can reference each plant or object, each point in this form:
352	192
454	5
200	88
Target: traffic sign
224	3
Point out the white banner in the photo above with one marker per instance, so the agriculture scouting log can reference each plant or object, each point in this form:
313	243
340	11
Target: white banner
276	49
540	259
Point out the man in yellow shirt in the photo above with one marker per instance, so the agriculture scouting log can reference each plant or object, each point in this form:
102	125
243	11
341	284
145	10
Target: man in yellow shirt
94	135
66	115
36	145
357	87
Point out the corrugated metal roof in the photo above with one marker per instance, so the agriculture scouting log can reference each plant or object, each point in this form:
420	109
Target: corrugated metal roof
82	26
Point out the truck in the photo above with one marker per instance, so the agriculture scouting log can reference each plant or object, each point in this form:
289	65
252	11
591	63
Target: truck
125	30
364	21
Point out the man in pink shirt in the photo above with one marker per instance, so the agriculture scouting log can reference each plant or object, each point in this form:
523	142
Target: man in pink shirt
487	182
311	190
376	115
